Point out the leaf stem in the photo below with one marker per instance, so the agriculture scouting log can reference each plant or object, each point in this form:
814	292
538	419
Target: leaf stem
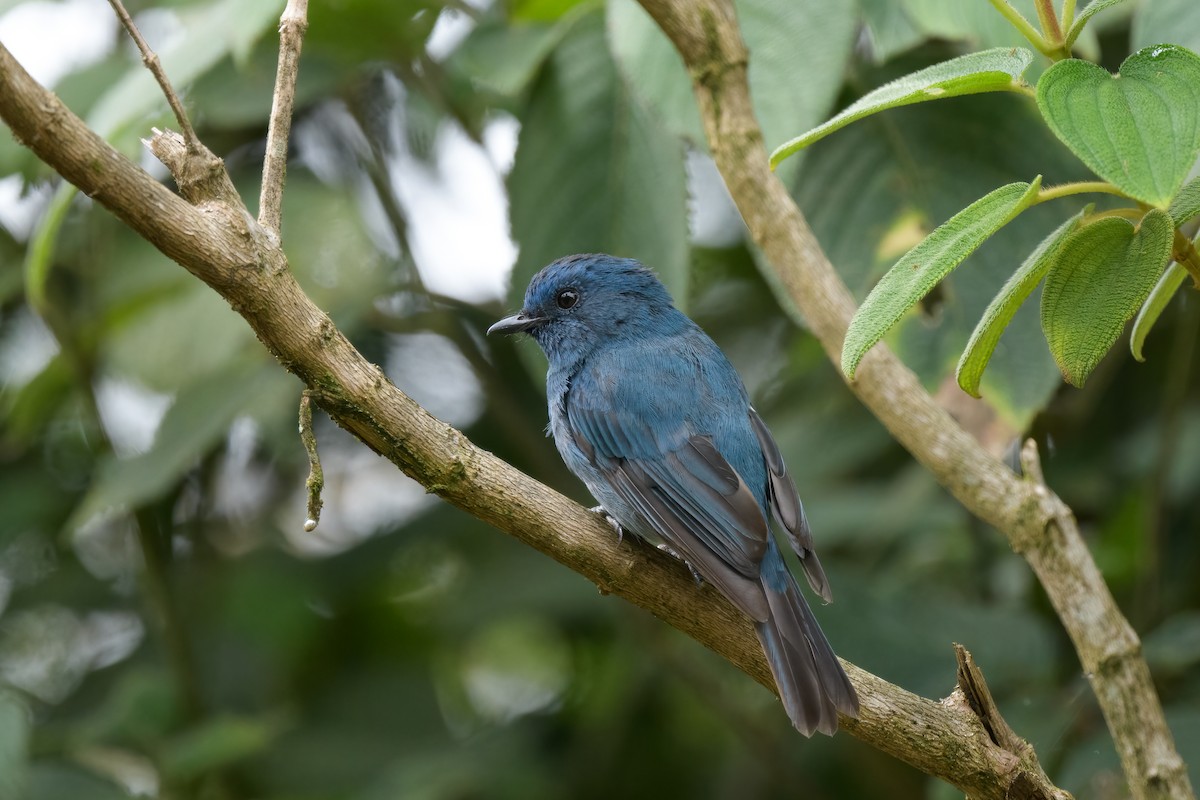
1132	214
1049	20
1021	87
1068	14
1078	187
1026	28
1183	250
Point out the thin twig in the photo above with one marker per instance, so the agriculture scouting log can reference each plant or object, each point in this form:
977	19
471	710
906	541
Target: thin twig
150	59
316	475
292	26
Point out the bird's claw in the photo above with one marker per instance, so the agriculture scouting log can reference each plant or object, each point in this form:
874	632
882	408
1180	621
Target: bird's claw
696	576
612	522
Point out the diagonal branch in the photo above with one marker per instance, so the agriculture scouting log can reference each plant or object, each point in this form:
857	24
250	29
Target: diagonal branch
218	241
1036	522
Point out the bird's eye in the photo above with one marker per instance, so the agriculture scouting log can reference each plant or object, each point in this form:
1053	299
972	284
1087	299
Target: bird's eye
567	298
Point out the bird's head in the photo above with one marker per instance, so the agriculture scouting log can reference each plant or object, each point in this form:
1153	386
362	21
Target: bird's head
579	302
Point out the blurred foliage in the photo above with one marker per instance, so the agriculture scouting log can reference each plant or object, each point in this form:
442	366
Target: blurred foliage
168	629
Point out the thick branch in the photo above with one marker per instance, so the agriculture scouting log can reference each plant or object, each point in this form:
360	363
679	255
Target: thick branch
1037	523
218	241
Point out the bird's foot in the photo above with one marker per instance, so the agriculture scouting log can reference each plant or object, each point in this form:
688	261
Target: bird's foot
612	522
696	576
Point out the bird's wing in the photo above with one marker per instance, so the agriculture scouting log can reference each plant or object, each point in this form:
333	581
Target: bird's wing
688	492
788	511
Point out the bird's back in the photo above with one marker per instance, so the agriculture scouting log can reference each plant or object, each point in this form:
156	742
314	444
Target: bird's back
675	385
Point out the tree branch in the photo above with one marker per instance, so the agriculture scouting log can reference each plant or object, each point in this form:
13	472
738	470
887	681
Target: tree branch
292	26
1036	522
152	62
220	243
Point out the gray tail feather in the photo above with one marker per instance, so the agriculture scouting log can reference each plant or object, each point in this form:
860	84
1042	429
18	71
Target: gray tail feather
812	684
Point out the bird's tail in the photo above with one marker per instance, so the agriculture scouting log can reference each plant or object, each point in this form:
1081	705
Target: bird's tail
812	684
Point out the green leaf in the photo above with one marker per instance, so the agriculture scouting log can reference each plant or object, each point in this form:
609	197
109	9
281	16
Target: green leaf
542	10
914	275
578	186
1139	130
1152	309
1085	14
40	254
216	743
197	420
14	746
51	780
1004	306
355	32
1186	203
990	71
812	38
1104	272
506	58
1175	21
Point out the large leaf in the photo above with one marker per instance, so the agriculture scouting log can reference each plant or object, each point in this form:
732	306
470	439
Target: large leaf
593	171
1104	273
925	265
1141	129
808	38
1003	308
990	71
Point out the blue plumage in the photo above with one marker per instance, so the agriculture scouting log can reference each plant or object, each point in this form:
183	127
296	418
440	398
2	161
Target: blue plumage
648	412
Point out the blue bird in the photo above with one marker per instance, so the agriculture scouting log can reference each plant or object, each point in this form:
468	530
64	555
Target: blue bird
646	410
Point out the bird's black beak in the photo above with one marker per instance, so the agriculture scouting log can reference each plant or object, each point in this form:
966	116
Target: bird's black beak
515	324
